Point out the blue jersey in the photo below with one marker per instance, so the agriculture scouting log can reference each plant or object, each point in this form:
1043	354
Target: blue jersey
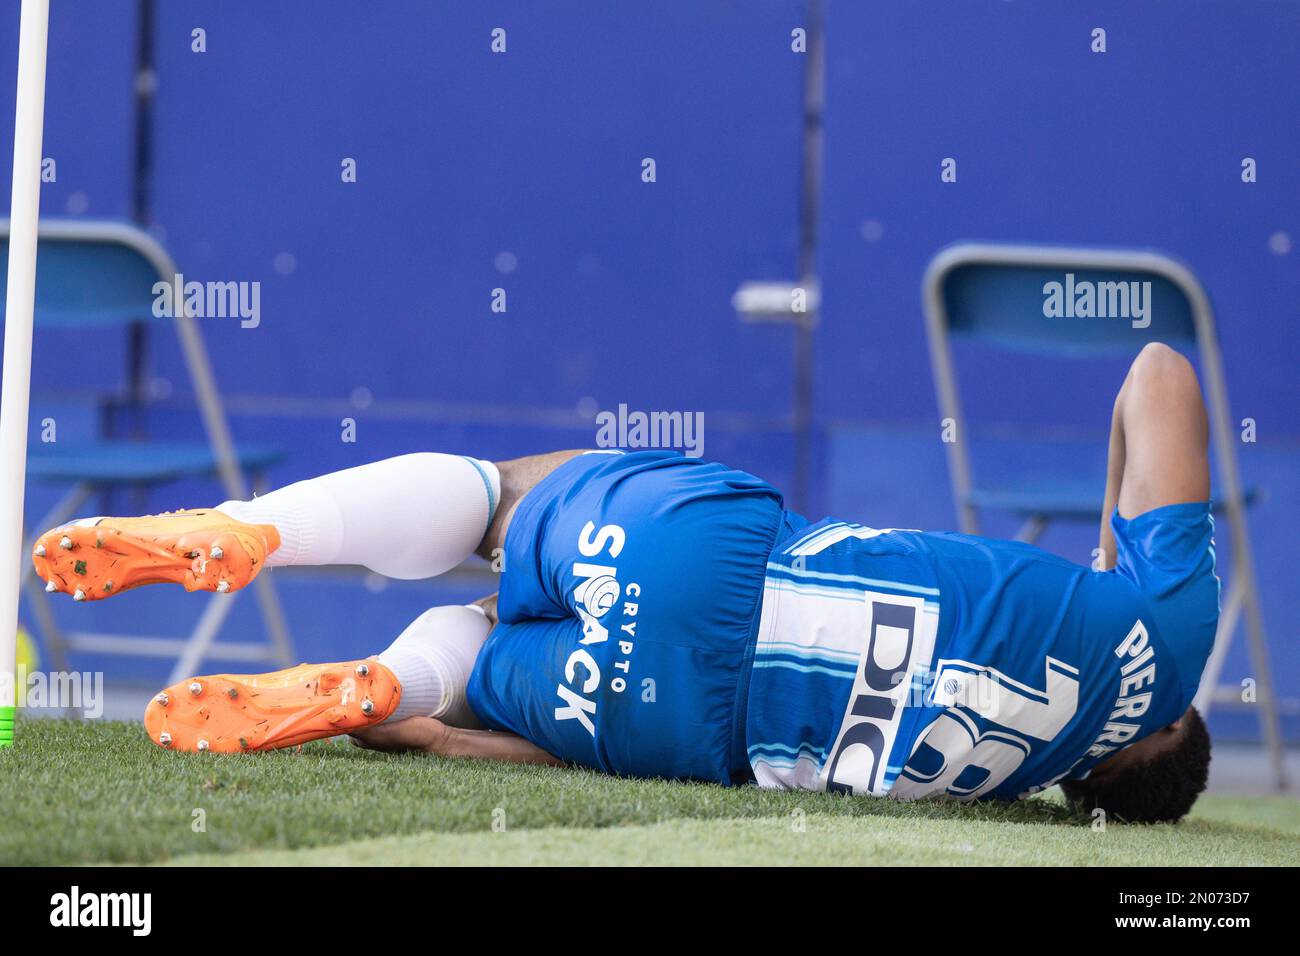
913	664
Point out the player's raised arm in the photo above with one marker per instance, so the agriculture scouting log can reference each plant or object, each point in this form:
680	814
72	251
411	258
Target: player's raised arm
1159	440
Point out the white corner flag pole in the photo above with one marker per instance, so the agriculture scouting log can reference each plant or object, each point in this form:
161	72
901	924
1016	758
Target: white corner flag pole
20	302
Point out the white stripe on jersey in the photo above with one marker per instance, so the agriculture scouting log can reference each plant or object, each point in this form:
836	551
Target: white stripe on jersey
821	623
828	617
790	773
850	583
832	534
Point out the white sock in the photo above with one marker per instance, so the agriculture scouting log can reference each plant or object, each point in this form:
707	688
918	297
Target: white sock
433	658
414	516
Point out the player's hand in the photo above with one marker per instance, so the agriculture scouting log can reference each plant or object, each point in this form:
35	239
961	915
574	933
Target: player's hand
425	734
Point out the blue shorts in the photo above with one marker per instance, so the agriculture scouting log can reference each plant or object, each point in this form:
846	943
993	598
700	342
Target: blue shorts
627	607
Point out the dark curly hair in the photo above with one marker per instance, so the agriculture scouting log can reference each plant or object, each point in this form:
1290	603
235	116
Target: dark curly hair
1159	790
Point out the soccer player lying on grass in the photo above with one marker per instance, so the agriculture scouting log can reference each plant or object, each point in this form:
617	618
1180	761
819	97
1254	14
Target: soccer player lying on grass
663	616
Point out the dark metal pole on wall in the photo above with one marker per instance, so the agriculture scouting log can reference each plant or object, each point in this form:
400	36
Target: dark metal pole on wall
125	414
146	84
809	200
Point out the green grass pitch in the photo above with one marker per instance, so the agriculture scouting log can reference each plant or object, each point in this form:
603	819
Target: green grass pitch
76	793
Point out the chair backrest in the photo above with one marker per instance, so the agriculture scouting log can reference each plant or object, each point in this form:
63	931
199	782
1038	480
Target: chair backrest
93	272
104	272
1069	302
1063	301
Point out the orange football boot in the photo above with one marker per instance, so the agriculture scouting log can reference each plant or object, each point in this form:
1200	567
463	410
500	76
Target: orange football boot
233	713
203	550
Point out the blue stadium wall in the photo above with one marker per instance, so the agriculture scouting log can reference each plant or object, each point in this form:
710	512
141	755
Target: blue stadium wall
522	171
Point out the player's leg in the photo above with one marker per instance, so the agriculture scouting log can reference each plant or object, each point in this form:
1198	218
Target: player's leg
1158	441
413	516
424	673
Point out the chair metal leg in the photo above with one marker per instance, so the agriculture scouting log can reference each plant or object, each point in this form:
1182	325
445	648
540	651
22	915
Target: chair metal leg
201	638
1228	617
273	617
1033	528
55	643
1242	596
268	598
64	508
1269	721
1243	555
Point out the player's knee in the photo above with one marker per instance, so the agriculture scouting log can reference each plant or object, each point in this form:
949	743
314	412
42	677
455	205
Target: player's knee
1160	370
1159	365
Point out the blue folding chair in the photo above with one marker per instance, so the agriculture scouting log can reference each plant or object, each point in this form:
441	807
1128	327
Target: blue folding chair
995	294
100	276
